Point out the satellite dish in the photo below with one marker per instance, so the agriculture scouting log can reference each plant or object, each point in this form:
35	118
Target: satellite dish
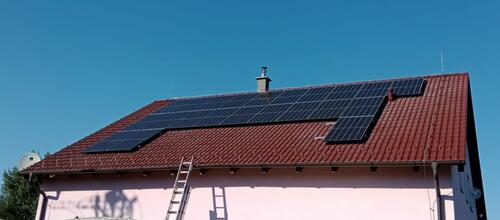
28	160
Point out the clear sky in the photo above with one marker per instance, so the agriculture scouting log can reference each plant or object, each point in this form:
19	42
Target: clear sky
68	68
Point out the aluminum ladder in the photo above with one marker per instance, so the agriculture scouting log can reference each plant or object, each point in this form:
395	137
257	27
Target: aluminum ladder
180	191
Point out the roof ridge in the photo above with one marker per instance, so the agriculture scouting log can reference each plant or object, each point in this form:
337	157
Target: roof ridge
436	75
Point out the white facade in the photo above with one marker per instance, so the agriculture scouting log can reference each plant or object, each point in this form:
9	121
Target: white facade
316	193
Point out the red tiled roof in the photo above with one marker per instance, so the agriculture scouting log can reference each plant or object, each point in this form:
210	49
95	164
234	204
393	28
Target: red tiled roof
430	127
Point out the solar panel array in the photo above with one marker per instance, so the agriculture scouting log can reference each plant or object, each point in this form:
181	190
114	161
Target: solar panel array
354	105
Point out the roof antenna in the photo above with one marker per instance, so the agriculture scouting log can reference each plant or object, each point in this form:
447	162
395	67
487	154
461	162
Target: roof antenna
442	62
171	88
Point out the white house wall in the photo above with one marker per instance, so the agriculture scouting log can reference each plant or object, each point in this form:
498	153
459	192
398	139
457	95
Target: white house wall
316	193
465	205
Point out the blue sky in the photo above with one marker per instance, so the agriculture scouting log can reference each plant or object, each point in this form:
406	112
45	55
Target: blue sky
68	68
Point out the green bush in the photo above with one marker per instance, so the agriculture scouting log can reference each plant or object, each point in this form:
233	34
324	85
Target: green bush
19	197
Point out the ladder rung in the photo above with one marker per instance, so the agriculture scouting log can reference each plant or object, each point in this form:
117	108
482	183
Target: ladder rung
184	168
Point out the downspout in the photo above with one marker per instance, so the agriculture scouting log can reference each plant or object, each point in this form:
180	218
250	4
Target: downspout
438	190
43	207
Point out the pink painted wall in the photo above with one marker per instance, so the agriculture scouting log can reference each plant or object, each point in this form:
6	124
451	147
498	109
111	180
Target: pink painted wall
352	193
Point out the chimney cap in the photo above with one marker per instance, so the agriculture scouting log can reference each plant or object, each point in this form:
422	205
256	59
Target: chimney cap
263	71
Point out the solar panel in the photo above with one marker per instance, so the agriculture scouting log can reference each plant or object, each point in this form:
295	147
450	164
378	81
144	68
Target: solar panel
349	129
184	123
125	145
320	90
223	112
372	93
234	103
210	105
286	99
293	92
244	97
199	114
409	87
374	89
212	121
364	106
331	113
346	94
237	119
354	106
178	108
128	135
148	125
313	97
266	117
260	100
248	110
123	141
276	108
294	116
166	116
329	109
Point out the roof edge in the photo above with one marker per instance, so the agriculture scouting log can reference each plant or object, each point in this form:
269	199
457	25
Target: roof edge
215	166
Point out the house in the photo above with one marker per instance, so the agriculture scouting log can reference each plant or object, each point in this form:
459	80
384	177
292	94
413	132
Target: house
388	149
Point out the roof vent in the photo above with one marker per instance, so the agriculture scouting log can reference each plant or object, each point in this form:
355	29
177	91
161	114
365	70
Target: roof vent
390	94
263	81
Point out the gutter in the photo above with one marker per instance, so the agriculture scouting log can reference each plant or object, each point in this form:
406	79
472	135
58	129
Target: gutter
256	165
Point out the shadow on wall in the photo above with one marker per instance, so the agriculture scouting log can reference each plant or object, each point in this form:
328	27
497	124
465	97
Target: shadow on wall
219	204
114	204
